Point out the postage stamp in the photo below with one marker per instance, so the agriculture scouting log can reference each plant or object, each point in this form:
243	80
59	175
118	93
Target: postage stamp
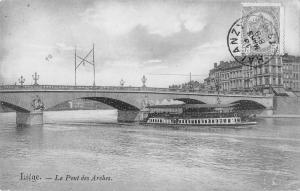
254	39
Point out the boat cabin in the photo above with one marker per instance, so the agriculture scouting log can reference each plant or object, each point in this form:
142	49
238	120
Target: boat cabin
191	109
198	121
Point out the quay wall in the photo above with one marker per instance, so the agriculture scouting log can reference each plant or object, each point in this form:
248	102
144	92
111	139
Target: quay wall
286	105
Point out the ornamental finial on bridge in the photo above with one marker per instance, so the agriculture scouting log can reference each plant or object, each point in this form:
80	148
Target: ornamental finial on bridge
122	82
21	80
144	79
35	77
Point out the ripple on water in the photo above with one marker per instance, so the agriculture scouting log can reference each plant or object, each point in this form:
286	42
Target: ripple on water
145	158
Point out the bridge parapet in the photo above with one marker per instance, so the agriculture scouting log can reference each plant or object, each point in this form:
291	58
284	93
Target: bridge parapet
5	88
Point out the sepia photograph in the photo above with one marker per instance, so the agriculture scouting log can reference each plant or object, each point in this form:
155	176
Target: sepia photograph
150	95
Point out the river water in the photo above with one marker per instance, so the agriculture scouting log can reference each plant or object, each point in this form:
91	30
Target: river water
132	157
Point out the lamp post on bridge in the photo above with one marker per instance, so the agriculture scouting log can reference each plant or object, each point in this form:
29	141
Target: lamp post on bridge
144	79
35	77
21	80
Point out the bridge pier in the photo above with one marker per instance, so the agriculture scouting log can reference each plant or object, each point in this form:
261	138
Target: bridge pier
131	116
29	118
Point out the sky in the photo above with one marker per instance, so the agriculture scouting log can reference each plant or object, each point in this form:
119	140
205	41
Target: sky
132	38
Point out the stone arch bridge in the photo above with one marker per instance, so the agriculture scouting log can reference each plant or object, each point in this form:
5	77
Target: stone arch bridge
127	100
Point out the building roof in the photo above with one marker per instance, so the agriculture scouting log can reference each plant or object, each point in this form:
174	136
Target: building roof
290	58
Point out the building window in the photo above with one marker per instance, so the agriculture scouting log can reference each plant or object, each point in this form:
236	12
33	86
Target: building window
260	81
266	70
267	82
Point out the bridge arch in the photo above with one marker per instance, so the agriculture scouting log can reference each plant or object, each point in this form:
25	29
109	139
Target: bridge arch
13	107
190	101
248	105
115	103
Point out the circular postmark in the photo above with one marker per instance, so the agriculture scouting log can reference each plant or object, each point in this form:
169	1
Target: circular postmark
253	40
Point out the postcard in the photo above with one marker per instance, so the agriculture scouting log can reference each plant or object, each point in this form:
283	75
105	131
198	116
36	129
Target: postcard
149	95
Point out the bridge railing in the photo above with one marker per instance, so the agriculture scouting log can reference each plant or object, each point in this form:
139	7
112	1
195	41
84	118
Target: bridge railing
121	88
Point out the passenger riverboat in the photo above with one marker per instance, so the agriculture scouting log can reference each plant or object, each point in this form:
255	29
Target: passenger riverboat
217	115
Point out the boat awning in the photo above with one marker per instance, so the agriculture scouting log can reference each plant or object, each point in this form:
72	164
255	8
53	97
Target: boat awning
193	106
166	106
187	106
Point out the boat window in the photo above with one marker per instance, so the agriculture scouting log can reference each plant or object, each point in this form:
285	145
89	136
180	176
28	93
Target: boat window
229	121
199	121
209	121
224	120
221	120
202	121
205	121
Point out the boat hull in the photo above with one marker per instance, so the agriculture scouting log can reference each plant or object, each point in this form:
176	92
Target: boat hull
197	126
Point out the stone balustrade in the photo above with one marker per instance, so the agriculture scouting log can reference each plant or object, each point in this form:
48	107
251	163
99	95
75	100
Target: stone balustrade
121	88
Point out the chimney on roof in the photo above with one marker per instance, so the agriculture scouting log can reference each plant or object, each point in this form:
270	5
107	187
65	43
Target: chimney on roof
215	65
